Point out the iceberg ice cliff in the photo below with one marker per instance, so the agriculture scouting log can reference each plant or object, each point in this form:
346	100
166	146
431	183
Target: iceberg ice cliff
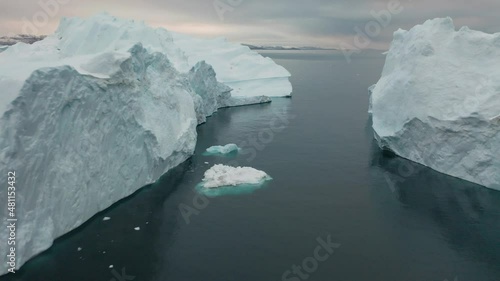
105	106
438	100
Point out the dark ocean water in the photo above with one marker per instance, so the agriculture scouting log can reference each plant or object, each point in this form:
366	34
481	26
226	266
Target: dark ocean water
387	218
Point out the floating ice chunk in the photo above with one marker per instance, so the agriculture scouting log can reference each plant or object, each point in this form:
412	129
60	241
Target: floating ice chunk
79	249
106	218
222	175
111	266
137	228
223	150
221	180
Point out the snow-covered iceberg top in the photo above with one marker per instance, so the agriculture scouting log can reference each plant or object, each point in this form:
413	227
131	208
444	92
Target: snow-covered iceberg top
222	150
224	176
96	47
438	100
246	72
103	107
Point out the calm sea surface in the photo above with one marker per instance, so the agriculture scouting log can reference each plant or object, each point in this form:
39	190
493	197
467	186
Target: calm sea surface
388	219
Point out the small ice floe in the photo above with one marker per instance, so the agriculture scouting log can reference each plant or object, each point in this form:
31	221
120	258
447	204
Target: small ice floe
111	266
137	228
106	218
206	163
222	179
79	249
228	149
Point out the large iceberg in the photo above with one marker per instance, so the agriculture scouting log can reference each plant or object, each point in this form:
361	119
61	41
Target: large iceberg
103	107
247	73
438	100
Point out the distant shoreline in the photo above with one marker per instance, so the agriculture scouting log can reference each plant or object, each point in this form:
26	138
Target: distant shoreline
287	48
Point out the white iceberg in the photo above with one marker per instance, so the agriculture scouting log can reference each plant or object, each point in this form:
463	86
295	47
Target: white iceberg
246	72
222	176
438	100
222	150
101	108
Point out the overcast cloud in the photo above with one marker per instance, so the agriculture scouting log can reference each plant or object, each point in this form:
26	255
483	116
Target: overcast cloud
272	22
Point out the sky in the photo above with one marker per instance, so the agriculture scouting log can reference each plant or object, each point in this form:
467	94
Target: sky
323	23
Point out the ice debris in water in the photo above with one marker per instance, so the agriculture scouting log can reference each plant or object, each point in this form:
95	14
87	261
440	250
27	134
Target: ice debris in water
222	175
222	150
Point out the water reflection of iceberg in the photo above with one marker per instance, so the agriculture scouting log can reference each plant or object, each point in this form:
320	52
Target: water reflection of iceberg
467	214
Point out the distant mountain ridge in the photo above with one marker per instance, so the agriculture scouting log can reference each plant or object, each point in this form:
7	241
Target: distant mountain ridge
285	48
30	39
25	38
